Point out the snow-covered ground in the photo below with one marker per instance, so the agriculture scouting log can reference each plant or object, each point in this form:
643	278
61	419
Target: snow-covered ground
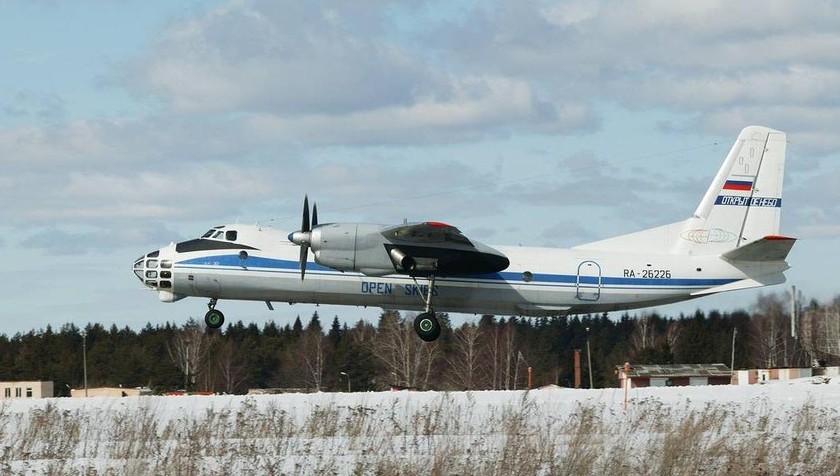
779	428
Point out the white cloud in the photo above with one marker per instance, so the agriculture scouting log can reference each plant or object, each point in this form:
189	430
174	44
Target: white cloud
700	59
318	75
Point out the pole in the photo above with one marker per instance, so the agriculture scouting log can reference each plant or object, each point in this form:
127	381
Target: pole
577	367
626	383
793	312
588	359
732	364
348	381
84	360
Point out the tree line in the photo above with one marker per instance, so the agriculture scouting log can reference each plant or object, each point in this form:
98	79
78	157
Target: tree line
488	353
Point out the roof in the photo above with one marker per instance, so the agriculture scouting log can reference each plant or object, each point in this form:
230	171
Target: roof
678	370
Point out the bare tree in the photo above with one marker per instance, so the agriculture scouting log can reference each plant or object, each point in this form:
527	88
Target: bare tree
492	350
644	334
232	370
509	353
464	362
820	330
407	360
770	332
313	349
188	348
673	333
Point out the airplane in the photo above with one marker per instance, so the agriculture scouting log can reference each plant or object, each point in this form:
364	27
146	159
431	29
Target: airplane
730	242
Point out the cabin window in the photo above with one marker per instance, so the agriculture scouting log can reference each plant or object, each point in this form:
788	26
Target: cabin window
166	274
230	235
217	234
209	233
166	264
151	274
152	263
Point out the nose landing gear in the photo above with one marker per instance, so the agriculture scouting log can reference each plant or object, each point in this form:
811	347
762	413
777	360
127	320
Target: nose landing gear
426	324
214	318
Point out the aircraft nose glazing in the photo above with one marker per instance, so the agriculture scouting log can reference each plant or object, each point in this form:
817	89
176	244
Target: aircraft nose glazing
154	272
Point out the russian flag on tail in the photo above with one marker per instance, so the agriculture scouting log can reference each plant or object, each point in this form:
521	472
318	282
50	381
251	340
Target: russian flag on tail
741	185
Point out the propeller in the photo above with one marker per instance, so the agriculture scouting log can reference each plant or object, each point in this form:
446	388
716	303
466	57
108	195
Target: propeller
303	237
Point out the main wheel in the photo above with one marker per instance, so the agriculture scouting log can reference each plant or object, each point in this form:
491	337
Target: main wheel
427	326
214	318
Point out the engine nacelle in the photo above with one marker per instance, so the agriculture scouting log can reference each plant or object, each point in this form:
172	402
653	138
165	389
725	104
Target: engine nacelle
365	248
351	247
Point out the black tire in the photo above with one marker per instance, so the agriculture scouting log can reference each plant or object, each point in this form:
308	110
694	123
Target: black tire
214	319
427	326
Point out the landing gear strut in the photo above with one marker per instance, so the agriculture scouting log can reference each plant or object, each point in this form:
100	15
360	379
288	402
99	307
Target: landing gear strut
426	324
214	318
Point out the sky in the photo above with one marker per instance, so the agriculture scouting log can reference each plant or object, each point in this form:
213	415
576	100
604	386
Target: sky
126	125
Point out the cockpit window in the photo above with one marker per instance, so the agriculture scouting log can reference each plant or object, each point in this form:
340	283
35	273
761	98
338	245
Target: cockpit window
213	232
230	235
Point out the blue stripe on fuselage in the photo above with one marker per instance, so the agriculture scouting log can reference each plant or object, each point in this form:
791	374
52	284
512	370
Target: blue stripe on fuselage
233	261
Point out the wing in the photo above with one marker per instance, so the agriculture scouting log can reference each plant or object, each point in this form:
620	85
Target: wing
422	249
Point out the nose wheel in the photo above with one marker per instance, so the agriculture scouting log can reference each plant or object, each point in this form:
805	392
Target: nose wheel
427	326
214	317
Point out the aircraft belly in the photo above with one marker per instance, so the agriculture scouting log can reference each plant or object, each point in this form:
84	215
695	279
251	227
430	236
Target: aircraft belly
468	295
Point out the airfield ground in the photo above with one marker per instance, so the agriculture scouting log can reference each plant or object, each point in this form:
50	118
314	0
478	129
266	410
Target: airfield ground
763	429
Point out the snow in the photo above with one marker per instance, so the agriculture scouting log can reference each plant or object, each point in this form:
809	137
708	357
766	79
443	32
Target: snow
785	426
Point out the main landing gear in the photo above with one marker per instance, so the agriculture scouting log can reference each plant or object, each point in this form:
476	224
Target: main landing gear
426	324
214	317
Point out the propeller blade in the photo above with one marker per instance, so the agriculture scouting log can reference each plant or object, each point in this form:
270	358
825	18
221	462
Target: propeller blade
303	237
304	253
305	225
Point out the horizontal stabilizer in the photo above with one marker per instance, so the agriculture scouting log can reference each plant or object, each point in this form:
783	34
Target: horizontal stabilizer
769	248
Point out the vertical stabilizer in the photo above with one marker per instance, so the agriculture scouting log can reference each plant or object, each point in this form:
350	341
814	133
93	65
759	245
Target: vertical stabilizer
744	201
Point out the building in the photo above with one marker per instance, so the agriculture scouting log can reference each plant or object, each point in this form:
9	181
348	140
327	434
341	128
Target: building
34	389
754	376
674	375
110	392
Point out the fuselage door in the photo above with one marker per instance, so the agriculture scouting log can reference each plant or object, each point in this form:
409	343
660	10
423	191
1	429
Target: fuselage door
589	281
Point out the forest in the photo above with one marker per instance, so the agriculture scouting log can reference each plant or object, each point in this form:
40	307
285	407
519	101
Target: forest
487	352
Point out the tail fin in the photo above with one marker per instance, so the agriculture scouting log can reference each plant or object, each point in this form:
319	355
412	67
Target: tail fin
744	202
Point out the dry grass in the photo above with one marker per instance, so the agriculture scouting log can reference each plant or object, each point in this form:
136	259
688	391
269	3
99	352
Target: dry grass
446	436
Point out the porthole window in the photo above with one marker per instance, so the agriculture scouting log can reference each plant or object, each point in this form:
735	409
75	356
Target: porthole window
527	276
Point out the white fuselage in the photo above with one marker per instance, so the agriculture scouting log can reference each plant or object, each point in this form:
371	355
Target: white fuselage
260	264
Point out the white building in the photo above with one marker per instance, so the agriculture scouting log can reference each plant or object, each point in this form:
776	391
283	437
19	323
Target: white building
42	389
